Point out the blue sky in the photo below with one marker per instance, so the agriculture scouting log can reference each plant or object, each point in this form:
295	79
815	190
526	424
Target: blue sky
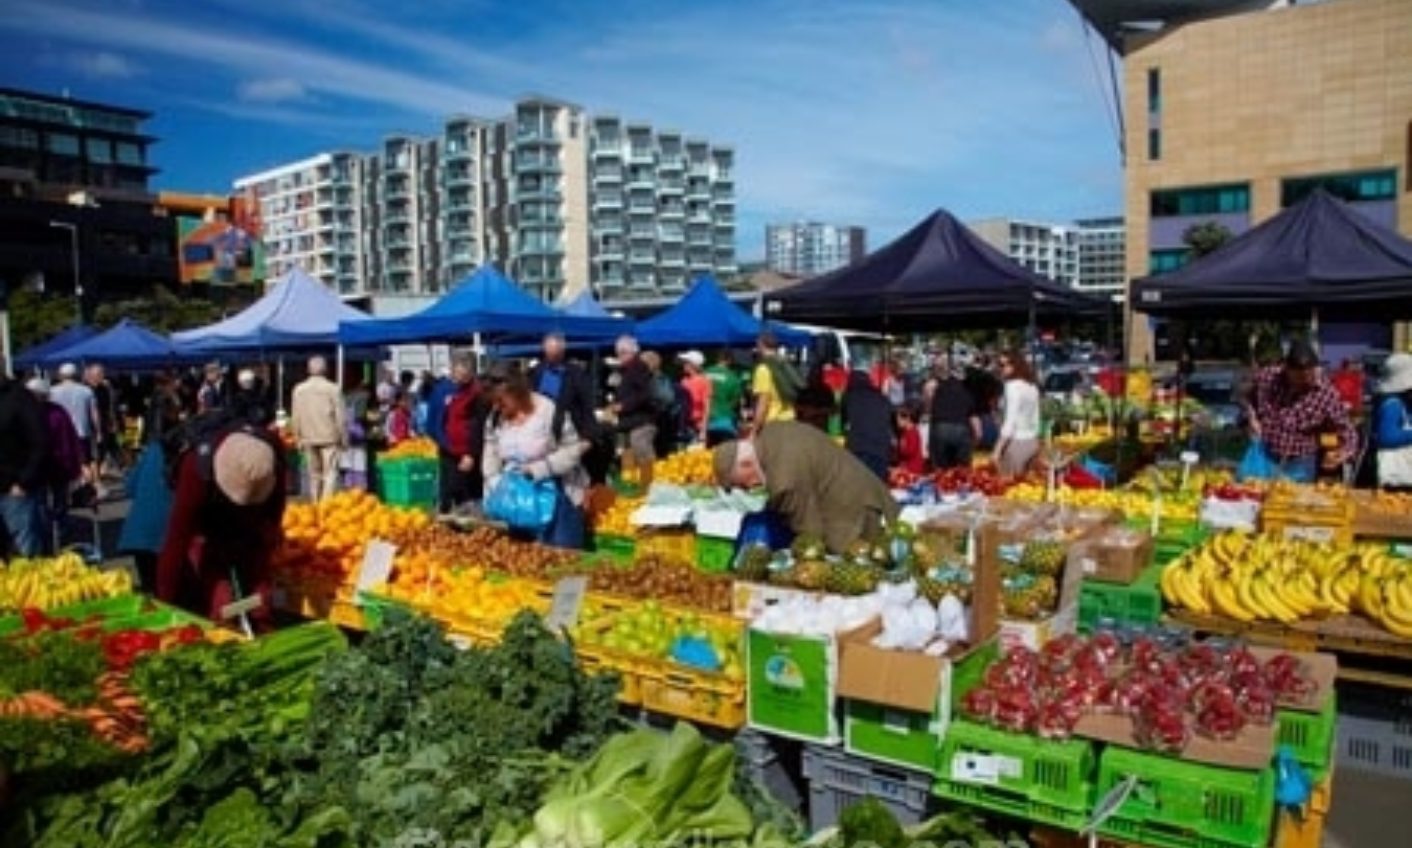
872	112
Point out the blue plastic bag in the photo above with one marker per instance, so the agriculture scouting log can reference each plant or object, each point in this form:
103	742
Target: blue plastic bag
522	502
1256	464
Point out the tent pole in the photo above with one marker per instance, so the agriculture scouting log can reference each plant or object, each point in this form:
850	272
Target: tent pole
477	350
279	382
340	365
1314	327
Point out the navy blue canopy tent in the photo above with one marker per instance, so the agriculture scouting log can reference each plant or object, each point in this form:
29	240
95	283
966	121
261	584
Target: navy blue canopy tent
34	356
127	344
705	316
486	304
1319	254
938	274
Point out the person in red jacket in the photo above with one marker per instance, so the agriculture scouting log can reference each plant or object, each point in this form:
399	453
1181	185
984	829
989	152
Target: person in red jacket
909	443
463	439
225	525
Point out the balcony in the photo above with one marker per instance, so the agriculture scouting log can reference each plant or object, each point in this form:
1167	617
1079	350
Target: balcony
672	211
641	234
535	134
698	168
608	152
641	280
398	265
608	226
671	187
541	220
610	253
463	153
671	163
459	178
724	223
396	216
459	226
641	209
642	156
607	200
642	182
541	247
608	175
669	261
397	190
536	163
643	257
671	234
459	203
536	191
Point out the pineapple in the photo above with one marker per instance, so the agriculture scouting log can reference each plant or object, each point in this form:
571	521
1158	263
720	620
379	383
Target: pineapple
811	574
1043	557
754	564
851	578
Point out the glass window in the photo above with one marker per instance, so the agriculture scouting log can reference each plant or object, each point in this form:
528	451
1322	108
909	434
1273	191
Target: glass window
128	153
1351	187
1154	145
63	144
1209	200
19	137
1154	90
1162	261
99	150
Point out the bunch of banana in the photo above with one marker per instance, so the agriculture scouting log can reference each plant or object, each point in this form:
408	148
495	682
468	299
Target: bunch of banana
1385	595
1250	578
50	583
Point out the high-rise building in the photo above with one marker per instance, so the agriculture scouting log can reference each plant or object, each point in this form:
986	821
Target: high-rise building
1234	110
559	200
311	216
807	249
74	199
1102	260
1050	250
663	209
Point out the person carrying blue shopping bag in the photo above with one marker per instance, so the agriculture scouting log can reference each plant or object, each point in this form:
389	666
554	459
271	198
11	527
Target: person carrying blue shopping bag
1292	405
526	442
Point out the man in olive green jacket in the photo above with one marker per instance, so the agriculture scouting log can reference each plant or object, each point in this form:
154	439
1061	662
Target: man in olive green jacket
815	485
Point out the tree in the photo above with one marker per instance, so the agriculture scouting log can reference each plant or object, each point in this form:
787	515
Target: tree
35	317
162	312
1206	237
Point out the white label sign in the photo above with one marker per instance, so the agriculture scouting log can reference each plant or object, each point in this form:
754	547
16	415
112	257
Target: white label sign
377	564
987	769
238	608
567	604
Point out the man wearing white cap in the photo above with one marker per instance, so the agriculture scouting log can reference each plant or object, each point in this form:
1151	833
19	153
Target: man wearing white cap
225	523
81	404
698	388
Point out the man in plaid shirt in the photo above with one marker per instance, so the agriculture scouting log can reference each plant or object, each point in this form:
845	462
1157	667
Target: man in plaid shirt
1292	406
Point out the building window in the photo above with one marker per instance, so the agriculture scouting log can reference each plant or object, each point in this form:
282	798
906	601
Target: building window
1154	144
128	153
1154	91
99	150
1162	261
1208	200
19	137
63	144
1354	187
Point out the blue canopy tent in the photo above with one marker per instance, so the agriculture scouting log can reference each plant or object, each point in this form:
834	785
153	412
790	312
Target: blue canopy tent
706	317
34	356
486	305
298	312
124	345
585	306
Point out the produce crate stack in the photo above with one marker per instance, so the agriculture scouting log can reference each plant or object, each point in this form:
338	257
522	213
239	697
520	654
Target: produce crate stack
1316	514
409	482
837	780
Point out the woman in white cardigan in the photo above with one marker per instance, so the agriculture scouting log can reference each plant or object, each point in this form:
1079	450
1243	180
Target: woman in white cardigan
1019	429
525	435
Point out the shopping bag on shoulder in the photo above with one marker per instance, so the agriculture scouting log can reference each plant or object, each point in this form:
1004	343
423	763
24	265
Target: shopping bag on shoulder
522	502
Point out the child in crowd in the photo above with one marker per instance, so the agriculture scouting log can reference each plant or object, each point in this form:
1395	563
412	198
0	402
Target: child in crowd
909	442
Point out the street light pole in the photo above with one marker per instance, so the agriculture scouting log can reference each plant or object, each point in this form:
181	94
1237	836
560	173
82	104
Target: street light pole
78	281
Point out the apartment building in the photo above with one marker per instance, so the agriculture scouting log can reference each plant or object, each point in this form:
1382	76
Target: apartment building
1102	243
662	209
807	249
311	216
558	199
1050	250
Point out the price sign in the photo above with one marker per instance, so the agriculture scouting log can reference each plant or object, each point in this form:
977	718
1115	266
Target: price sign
568	602
238	608
1110	804
377	564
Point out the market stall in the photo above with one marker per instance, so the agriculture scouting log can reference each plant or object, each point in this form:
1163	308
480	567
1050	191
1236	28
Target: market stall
297	312
937	275
705	317
126	344
35	356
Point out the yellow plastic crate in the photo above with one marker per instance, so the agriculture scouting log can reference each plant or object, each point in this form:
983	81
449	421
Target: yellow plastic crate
674	544
699	696
596	659
1306	829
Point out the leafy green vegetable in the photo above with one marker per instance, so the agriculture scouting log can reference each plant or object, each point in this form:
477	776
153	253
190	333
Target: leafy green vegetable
868	822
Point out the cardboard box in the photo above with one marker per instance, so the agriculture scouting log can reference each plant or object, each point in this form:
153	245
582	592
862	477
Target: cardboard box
792	685
1253	748
1112	555
995	539
748	600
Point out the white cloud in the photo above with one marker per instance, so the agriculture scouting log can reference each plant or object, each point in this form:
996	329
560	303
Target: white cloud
323	71
271	90
103	64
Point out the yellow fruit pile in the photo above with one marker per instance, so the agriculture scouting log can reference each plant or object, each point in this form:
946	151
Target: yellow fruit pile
420	447
691	467
1175	507
617	519
49	583
327	539
463	594
1250	578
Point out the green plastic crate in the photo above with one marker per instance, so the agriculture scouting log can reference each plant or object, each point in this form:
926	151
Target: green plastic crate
1044	780
409	482
714	556
910	739
1180	804
1309	735
375	608
1139	602
619	548
1174	538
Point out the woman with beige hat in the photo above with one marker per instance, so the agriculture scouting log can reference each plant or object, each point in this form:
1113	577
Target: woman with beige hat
1392	429
225	523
